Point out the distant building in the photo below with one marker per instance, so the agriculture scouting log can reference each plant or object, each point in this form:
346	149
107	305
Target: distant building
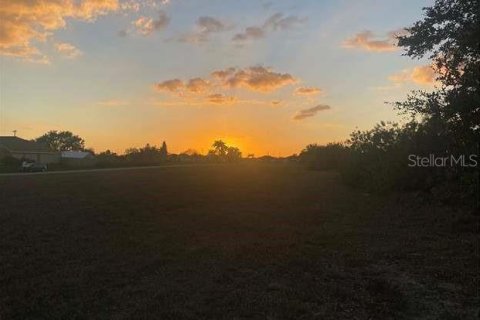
25	149
76	155
78	158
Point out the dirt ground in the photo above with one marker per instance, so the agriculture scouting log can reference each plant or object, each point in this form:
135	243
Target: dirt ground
229	242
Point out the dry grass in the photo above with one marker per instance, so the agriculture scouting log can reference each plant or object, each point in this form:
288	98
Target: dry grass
228	242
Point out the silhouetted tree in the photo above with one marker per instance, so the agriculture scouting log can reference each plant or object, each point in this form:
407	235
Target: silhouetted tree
164	151
61	141
233	154
219	148
146	155
221	151
448	35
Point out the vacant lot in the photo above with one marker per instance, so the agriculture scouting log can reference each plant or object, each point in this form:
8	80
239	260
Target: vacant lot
228	242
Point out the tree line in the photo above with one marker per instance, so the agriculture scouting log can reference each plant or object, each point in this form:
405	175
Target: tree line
443	123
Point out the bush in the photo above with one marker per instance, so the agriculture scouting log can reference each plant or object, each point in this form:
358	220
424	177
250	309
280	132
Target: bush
9	164
329	157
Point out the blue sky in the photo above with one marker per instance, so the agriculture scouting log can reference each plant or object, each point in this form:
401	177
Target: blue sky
82	75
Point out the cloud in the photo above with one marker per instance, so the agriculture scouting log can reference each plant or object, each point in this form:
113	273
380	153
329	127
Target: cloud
26	22
170	85
252	33
422	75
68	50
275	22
130	5
197	85
146	26
367	41
254	78
219	98
217	87
306	91
279	22
307	113
204	27
141	5
209	25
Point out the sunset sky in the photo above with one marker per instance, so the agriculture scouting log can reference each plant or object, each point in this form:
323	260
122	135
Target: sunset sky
266	76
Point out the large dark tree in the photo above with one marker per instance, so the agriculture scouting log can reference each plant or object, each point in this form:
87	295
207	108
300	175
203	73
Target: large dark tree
224	152
220	148
62	141
449	35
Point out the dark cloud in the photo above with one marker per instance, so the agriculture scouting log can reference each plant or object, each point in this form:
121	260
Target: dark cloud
307	113
219	98
275	22
249	33
204	27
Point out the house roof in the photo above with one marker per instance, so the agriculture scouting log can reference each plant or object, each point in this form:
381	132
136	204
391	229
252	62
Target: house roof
13	143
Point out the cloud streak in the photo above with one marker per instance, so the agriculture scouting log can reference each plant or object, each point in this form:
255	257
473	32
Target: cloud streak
276	22
68	50
310	112
368	41
204	27
146	26
307	91
219	98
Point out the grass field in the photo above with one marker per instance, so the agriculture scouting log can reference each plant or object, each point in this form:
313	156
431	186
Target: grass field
228	242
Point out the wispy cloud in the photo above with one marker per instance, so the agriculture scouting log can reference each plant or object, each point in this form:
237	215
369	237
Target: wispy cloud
275	22
218	98
250	33
204	27
368	41
68	50
146	26
307	91
310	112
421	75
